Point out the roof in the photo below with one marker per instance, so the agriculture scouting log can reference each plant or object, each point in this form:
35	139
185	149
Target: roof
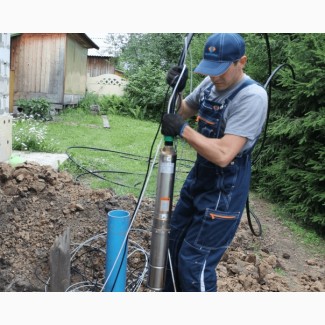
85	40
82	38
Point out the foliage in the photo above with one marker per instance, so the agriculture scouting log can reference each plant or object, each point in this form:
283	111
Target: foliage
88	100
120	105
291	166
146	89
193	58
146	59
37	108
112	104
115	43
31	135
160	49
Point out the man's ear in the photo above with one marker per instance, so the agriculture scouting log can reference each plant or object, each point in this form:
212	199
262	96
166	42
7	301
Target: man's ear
243	60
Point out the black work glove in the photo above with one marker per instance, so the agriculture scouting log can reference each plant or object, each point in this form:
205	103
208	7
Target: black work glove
172	125
173	75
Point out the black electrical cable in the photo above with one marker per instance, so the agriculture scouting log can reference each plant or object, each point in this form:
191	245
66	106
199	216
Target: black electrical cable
36	273
181	62
88	253
188	39
96	172
248	210
146	174
268	86
120	268
127	155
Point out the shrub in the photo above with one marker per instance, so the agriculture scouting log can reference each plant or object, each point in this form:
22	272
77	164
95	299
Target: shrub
37	108
88	100
113	104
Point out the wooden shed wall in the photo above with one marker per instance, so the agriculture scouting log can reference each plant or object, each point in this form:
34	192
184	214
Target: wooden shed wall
38	62
97	66
75	71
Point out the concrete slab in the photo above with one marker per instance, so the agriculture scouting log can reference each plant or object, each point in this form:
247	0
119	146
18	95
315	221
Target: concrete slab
42	158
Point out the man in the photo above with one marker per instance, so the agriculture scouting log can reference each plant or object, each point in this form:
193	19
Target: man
231	110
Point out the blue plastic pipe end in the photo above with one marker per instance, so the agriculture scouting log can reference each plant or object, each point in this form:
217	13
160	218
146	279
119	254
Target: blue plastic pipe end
116	250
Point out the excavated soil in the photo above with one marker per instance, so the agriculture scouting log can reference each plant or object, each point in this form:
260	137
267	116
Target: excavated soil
39	204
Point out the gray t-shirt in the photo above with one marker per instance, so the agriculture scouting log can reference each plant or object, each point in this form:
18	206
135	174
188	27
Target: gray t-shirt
245	114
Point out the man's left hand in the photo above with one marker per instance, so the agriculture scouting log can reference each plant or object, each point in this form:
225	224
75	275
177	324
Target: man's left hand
172	77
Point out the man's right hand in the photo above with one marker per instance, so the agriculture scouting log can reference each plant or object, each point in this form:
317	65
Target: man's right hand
172	125
173	76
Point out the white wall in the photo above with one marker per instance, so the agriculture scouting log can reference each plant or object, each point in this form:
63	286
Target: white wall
5	117
4	72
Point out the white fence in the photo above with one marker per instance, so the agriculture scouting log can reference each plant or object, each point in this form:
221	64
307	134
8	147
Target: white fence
106	84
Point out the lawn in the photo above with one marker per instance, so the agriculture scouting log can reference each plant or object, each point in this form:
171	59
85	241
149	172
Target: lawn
116	157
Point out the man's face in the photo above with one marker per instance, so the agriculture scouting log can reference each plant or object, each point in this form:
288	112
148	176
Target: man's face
230	77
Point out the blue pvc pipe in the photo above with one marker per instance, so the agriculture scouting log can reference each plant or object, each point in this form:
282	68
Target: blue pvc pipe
116	258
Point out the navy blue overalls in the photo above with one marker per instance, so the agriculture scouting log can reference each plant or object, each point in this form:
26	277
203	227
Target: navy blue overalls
209	209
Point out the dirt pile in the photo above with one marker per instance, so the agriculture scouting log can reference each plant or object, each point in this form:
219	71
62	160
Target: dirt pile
38	204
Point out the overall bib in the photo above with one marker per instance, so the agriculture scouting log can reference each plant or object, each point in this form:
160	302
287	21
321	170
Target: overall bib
209	209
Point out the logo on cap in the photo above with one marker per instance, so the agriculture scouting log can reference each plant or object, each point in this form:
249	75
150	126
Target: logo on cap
212	49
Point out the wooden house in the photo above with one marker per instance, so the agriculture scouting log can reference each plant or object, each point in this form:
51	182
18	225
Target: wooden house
99	61
49	65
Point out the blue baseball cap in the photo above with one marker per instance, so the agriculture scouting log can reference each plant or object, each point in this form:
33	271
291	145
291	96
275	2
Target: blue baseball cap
220	51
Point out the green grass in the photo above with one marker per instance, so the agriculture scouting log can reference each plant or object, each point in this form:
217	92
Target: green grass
306	236
120	152
314	242
280	271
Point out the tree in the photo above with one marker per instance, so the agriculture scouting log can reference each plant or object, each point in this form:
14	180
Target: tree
159	49
291	168
146	59
115	42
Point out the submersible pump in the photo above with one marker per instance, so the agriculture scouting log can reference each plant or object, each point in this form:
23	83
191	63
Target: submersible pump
164	198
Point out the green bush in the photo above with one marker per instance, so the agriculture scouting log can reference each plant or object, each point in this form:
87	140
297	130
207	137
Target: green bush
146	91
88	100
113	104
37	108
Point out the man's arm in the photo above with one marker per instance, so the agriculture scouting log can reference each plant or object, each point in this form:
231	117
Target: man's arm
185	111
218	151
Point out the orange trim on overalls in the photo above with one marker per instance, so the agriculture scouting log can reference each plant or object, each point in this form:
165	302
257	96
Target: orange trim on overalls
203	119
214	216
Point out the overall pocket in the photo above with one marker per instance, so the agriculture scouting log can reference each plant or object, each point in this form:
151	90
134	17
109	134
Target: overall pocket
229	176
218	229
209	118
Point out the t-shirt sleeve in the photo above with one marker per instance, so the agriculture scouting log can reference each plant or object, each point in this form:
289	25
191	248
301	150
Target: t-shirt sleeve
247	113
